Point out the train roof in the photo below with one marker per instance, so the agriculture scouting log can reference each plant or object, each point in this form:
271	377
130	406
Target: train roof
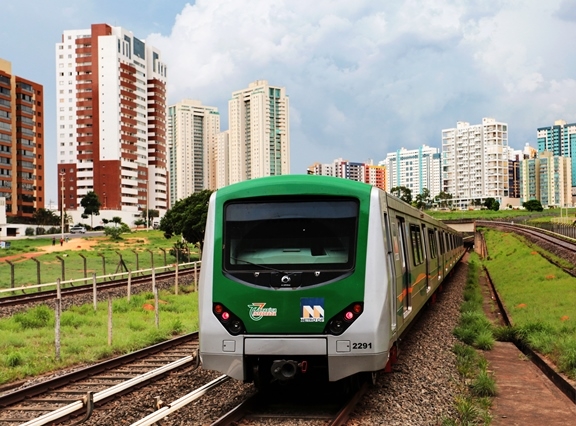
294	184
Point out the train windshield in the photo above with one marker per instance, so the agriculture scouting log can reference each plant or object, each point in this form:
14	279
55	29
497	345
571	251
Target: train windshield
290	242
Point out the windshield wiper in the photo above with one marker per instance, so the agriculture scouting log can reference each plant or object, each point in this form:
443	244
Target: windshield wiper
285	279
261	266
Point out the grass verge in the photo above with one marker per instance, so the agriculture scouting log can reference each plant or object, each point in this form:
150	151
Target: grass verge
540	299
474	330
27	345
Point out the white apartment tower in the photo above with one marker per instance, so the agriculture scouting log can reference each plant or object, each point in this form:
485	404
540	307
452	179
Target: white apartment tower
414	169
475	162
111	122
192	134
220	155
259	138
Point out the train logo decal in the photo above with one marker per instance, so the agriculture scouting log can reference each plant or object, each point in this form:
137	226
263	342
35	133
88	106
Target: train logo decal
258	311
312	309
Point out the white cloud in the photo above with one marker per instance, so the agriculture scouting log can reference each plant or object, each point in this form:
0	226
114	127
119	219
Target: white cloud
364	77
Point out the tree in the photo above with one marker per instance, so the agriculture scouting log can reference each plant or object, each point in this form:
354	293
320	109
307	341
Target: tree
405	194
423	199
533	205
91	205
117	220
188	218
150	214
443	199
492	204
46	217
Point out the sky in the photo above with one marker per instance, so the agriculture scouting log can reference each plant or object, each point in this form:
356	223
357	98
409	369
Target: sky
364	77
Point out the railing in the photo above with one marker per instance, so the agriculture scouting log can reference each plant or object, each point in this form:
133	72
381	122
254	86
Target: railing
106	277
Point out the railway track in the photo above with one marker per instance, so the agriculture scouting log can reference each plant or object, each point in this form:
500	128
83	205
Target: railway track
293	405
560	245
78	392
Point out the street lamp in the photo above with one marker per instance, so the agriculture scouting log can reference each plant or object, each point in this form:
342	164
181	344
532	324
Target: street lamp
62	175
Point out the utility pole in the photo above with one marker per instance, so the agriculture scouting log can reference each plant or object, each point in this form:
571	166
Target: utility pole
62	175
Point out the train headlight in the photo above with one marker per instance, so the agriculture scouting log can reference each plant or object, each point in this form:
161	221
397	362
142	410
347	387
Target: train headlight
336	327
229	321
343	319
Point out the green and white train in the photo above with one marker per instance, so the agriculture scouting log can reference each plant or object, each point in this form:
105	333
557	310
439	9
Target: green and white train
313	275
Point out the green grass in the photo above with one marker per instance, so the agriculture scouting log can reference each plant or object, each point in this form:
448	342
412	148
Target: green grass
522	215
104	256
539	297
27	343
474	330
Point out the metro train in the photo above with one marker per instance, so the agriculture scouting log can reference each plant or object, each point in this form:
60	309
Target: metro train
307	276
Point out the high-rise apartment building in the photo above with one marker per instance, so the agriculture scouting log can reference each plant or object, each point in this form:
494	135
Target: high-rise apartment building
220	156
360	172
259	132
192	136
375	175
415	169
475	162
21	143
111	122
546	178
560	140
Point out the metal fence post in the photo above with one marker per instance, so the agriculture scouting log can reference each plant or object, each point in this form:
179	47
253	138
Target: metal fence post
103	263
38	280
57	313
176	273
94	292
109	320
63	268
84	259
11	273
163	251
137	261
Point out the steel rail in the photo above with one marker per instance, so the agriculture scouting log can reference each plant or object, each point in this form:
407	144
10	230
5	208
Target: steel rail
176	405
39	388
107	393
21	299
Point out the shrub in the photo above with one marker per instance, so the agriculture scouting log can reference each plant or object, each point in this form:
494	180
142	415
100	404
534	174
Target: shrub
29	231
37	317
14	359
504	334
484	340
483	385
40	231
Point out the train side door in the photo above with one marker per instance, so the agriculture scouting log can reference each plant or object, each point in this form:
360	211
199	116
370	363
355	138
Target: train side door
427	261
391	250
405	281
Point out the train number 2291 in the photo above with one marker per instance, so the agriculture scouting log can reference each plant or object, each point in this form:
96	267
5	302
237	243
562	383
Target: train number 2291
362	345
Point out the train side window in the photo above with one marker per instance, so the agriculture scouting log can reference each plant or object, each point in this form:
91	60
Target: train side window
441	240
417	248
432	243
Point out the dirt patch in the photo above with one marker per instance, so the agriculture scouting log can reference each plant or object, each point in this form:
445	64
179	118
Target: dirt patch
72	244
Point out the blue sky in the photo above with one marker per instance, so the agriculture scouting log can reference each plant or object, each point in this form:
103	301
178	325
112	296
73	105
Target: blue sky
364	77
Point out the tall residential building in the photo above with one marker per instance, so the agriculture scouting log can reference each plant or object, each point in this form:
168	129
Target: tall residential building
192	134
259	126
220	155
414	169
111	122
546	178
360	172
560	140
475	162
21	143
375	176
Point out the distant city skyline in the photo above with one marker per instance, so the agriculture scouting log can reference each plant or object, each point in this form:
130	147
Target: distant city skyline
364	78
